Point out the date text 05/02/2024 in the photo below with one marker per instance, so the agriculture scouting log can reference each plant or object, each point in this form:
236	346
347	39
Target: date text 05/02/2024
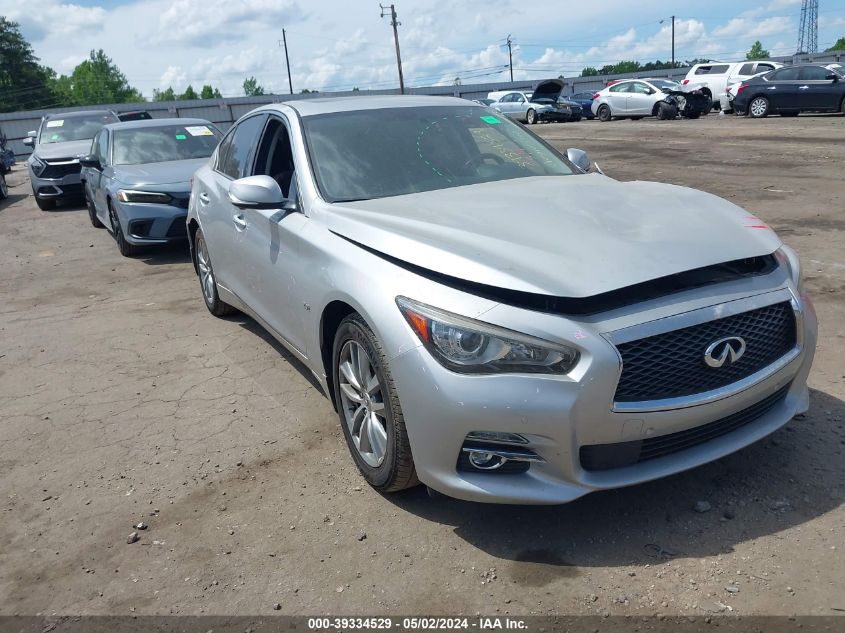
416	623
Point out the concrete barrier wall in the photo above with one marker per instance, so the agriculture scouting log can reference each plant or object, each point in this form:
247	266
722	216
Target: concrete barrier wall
224	112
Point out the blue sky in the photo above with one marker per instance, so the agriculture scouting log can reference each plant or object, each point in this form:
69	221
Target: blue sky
338	44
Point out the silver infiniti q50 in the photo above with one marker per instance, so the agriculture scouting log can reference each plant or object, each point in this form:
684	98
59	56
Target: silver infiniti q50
489	317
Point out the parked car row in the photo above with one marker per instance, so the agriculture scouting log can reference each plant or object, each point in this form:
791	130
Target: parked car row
790	90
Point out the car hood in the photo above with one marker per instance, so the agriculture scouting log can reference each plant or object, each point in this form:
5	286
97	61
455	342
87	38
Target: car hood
68	149
567	236
167	173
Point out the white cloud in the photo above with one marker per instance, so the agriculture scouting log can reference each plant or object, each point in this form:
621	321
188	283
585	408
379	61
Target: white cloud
752	28
53	19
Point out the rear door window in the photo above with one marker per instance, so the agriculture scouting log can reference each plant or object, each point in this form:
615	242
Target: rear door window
785	74
747	69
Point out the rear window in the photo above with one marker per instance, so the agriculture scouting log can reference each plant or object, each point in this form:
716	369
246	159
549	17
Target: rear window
718	69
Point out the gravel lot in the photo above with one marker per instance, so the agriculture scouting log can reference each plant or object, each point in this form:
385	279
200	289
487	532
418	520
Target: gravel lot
122	400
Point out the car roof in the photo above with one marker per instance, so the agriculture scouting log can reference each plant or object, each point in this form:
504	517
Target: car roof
77	113
328	105
131	125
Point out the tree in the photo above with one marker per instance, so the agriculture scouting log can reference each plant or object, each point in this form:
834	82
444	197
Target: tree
164	95
589	71
757	52
24	84
251	88
839	46
95	81
190	94
305	91
208	92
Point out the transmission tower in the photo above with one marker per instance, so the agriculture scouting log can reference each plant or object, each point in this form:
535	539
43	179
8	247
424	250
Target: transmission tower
808	32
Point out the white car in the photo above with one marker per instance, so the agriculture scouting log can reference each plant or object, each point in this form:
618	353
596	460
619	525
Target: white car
635	99
714	78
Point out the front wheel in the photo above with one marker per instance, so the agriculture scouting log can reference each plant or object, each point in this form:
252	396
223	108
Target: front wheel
531	117
126	249
604	113
369	410
92	211
759	107
208	282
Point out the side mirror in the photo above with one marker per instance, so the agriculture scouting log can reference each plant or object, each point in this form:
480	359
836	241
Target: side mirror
832	77
29	141
91	161
259	192
579	158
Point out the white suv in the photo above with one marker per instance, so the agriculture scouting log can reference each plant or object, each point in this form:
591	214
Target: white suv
715	76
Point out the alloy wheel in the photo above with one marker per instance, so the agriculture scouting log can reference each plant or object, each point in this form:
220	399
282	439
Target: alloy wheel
758	107
362	399
206	273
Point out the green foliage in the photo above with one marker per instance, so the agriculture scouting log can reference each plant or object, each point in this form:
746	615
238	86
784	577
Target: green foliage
164	95
189	94
24	84
252	88
589	71
305	91
208	92
839	46
757	51
96	81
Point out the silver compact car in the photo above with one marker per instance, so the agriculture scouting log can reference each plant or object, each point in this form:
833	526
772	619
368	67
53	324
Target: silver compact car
487	317
57	144
137	178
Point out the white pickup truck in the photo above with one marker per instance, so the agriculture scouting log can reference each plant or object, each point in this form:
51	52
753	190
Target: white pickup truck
714	77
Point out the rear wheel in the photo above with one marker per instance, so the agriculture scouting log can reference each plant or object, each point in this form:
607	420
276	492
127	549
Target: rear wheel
604	113
208	282
369	410
4	188
759	107
531	116
92	211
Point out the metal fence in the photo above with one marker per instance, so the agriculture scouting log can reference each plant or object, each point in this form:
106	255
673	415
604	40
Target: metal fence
224	112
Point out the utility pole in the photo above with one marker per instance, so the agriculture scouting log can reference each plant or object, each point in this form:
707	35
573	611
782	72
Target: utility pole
287	60
673	41
510	55
395	24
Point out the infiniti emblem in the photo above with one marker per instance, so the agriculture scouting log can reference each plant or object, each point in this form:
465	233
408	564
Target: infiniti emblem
725	350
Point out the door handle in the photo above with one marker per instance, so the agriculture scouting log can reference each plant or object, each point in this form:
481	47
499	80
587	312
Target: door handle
773	88
803	87
204	199
240	222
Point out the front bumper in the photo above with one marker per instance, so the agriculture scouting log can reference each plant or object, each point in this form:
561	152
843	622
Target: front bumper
559	415
67	185
555	115
145	224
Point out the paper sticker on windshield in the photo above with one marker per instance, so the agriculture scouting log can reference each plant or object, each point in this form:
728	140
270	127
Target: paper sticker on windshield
198	130
56	123
490	119
181	137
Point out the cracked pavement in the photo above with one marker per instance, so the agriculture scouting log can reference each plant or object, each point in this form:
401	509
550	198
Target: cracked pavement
122	400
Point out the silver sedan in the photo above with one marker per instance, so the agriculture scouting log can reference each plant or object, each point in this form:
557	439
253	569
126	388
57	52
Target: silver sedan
487	316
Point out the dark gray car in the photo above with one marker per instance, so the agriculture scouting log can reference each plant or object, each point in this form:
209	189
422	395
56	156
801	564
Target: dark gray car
137	178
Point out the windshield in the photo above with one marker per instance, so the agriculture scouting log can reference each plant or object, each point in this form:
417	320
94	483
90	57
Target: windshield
76	128
839	68
366	154
664	84
163	143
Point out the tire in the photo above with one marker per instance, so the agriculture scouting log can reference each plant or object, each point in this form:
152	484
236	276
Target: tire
758	108
842	106
45	205
531	116
126	249
358	357
666	111
208	282
4	188
603	113
92	211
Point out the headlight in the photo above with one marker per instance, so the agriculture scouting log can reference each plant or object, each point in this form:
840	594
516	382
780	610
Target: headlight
468	346
37	166
788	258
150	197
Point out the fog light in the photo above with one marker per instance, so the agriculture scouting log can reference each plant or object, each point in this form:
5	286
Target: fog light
486	461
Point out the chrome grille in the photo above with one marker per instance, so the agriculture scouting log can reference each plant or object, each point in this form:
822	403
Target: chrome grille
672	365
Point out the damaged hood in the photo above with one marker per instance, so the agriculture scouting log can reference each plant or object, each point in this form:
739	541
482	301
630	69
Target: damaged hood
565	236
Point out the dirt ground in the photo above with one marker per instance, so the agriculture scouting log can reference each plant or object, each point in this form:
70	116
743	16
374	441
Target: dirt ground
122	400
